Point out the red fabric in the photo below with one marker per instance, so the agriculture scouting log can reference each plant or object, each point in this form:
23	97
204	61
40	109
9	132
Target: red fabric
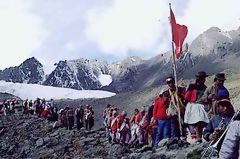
120	121
113	125
132	119
70	113
138	118
159	111
45	113
179	33
145	122
191	96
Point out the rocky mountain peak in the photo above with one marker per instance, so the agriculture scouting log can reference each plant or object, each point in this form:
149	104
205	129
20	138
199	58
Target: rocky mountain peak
30	71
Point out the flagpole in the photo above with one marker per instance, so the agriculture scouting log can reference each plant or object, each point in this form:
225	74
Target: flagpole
175	76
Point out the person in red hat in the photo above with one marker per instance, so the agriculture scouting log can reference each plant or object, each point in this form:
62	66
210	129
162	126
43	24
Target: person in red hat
195	115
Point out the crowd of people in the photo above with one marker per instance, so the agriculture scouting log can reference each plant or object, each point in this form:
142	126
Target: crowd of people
199	111
66	117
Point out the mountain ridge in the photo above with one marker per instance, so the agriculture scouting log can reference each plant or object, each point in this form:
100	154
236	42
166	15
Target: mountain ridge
214	51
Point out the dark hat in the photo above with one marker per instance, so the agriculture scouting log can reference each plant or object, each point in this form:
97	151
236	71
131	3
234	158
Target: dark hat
170	79
201	74
224	101
220	76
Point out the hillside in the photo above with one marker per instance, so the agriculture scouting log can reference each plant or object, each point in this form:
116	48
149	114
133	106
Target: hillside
130	100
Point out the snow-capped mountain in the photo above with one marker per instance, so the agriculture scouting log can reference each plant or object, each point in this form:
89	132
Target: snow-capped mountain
30	71
77	74
213	51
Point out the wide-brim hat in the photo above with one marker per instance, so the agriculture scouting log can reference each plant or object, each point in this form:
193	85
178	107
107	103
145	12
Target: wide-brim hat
224	100
202	74
220	76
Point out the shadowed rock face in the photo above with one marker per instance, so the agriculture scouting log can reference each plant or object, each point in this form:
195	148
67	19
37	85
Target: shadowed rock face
33	137
30	71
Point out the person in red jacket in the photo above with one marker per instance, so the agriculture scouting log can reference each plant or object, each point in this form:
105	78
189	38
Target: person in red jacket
162	120
195	115
134	127
113	125
143	126
124	127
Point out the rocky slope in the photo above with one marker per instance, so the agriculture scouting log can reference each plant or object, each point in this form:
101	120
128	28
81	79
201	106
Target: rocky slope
33	137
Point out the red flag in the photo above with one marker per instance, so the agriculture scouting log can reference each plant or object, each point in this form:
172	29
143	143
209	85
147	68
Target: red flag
179	33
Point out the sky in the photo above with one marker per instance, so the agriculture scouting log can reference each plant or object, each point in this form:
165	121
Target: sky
111	30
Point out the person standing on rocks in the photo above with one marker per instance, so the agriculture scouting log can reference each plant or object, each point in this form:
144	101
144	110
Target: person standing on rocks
195	115
176	100
31	108
25	107
70	118
143	127
162	120
212	93
79	113
114	126
123	124
134	127
91	118
105	116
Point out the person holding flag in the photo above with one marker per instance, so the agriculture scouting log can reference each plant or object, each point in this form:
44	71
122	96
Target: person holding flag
179	33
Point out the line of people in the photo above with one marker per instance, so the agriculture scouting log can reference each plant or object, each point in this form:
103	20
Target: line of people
8	106
178	111
66	117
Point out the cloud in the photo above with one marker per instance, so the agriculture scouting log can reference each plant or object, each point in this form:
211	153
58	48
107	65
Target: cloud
107	29
142	27
128	25
201	15
20	32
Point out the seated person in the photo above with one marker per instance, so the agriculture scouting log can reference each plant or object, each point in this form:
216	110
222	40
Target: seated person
218	123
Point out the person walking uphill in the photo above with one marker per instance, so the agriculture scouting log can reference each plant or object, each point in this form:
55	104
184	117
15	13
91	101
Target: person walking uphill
195	115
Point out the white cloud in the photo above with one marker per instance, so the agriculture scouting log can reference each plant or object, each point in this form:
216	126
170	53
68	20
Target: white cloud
20	32
59	30
127	25
201	15
132	25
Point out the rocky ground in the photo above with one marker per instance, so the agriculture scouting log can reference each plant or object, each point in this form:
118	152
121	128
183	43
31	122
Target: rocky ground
34	137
